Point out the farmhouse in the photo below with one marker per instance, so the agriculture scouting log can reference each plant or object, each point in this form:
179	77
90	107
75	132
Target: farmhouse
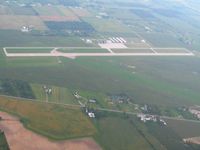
91	114
77	96
145	118
25	29
196	112
92	100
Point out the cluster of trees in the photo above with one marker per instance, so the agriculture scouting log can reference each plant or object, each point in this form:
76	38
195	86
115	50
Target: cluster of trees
16	88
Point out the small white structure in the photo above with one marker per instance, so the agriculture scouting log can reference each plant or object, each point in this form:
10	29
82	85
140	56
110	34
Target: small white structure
50	91
113	43
88	41
92	101
120	41
99	17
91	114
145	118
163	121
148	29
25	29
77	96
109	41
124	41
22	5
144	108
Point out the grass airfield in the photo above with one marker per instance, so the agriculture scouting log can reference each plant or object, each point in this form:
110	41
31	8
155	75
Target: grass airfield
168	82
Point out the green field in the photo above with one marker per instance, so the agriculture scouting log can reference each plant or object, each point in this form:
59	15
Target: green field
129	50
58	95
103	25
181	128
34	62
12	38
167	137
55	122
29	50
115	133
48	11
162	40
119	131
3	142
155	81
16	10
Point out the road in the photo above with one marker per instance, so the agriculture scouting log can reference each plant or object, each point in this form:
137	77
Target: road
164	117
100	109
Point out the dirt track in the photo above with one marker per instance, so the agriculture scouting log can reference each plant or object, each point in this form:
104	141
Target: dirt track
19	138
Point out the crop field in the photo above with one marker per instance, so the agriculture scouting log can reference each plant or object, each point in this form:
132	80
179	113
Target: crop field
17	10
124	14
4	10
58	94
3	142
48	11
103	25
185	129
16	22
57	18
34	62
80	12
55	13
155	76
28	49
28	11
117	133
69	13
167	137
18	39
55	122
162	40
18	137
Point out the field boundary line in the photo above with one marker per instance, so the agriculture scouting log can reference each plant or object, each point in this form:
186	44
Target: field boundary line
100	109
39	101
